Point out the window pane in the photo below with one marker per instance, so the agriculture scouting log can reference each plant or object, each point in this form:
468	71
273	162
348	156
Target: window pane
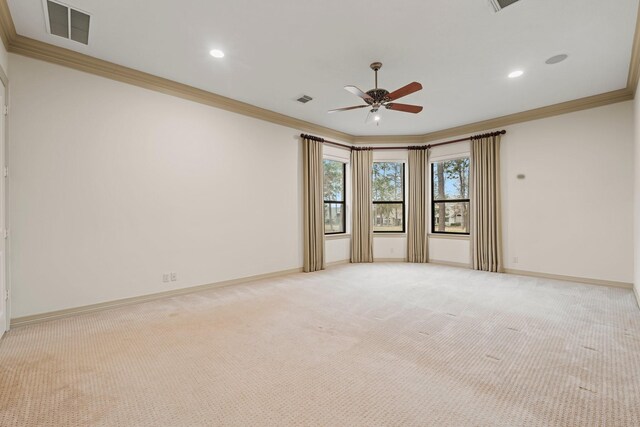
333	215
333	180
451	217
387	182
451	179
388	217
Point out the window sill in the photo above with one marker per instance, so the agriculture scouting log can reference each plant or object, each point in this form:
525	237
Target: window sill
389	235
337	236
449	236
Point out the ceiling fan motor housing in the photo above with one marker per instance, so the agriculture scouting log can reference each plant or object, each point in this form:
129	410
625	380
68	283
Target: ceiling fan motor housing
379	96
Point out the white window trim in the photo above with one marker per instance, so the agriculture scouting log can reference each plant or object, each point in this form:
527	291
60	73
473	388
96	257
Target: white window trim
405	162
437	159
347	199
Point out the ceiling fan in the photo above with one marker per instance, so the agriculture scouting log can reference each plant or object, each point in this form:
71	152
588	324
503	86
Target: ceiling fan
378	97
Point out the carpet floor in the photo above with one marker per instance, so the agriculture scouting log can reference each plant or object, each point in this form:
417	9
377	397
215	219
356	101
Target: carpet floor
357	345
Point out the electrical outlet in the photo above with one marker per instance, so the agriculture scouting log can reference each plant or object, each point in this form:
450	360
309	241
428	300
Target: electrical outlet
393	250
166	277
515	259
174	277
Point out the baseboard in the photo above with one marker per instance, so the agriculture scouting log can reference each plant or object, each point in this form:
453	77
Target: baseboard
60	314
586	280
389	260
635	291
450	263
334	263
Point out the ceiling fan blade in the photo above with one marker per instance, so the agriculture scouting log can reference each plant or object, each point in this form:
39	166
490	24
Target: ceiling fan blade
357	92
404	107
404	91
347	108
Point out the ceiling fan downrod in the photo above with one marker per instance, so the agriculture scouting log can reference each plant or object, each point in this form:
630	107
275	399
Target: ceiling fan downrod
375	67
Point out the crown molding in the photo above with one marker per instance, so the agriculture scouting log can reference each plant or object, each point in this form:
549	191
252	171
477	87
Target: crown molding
68	58
634	65
7	29
388	139
21	45
524	116
535	114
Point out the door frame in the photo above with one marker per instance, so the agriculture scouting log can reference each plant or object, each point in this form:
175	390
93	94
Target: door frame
5	294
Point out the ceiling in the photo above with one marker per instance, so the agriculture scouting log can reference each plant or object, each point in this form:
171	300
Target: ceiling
461	51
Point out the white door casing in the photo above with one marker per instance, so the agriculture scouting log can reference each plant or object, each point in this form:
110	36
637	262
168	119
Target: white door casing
4	295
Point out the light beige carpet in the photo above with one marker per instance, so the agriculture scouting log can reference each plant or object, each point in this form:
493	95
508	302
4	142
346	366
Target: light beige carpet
357	345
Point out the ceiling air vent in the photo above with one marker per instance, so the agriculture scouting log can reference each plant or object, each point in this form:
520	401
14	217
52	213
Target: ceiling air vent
304	99
498	5
67	22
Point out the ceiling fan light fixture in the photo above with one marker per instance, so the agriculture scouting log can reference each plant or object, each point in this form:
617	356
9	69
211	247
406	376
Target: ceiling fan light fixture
515	74
216	53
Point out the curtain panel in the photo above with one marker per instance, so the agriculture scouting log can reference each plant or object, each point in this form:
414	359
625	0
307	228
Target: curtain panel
313	210
362	210
486	221
417	237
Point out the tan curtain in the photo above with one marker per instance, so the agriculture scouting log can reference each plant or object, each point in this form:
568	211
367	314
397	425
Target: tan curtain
417	239
486	225
313	205
362	215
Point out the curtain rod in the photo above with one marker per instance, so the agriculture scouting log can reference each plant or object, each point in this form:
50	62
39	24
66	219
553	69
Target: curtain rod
349	147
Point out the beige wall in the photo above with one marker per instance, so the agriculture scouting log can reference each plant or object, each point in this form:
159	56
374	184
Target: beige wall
113	185
573	212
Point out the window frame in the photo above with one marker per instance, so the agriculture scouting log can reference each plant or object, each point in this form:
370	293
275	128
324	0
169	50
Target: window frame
402	202
445	201
343	202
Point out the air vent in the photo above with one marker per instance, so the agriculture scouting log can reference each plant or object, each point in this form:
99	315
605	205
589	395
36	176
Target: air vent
304	99
498	5
67	22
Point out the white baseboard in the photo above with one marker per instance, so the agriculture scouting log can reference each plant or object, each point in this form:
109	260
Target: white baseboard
348	261
334	263
60	314
586	280
450	263
635	291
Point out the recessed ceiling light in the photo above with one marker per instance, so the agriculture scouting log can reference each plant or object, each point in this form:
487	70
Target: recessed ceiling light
514	74
217	53
556	59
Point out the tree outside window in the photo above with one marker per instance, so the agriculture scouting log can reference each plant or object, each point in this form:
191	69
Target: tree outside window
334	197
388	197
450	196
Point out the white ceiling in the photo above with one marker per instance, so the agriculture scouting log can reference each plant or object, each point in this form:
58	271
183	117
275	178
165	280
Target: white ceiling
461	52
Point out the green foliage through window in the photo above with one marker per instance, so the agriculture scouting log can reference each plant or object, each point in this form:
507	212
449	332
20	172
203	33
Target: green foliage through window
388	197
450	196
334	197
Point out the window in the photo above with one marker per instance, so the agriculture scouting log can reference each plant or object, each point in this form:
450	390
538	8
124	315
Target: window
450	196
334	197
388	197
